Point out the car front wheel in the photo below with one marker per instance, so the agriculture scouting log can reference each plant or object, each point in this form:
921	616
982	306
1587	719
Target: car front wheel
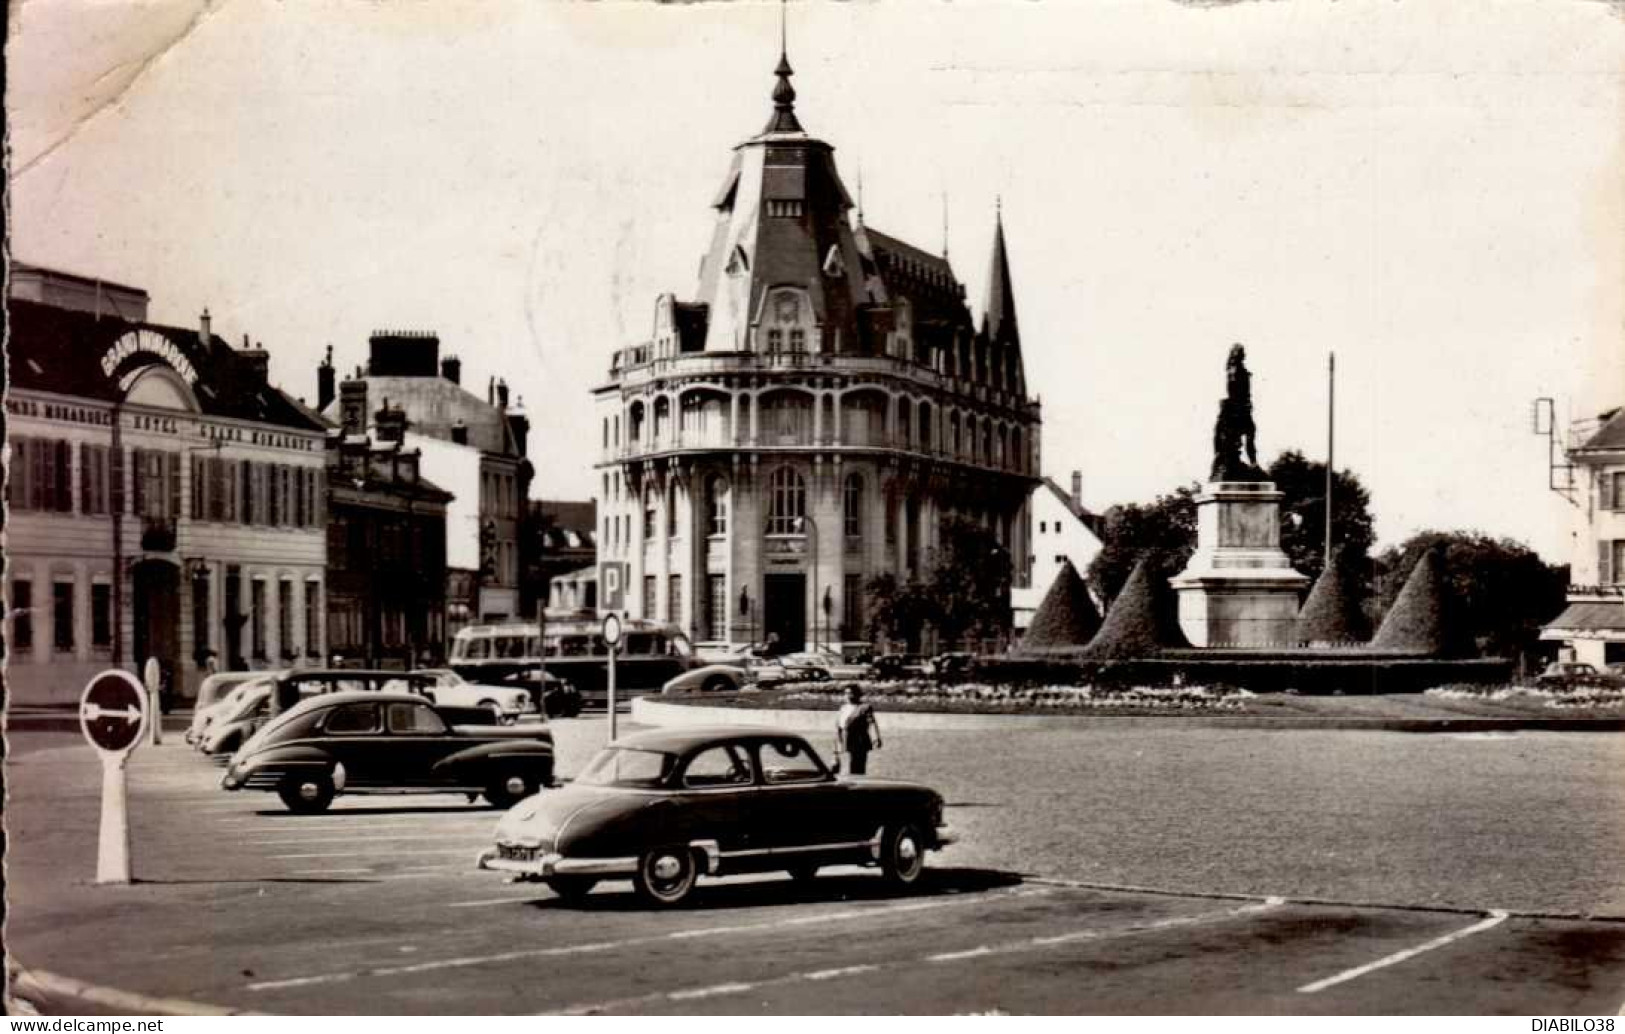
509	788
902	855
306	793
666	875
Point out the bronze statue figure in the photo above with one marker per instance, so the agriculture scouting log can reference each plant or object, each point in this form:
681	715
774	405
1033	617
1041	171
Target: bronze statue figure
1235	451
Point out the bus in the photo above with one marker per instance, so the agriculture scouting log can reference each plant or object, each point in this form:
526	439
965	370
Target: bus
650	654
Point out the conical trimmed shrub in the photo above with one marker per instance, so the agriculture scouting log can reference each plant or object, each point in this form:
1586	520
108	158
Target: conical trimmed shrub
1418	621
1067	617
1332	614
1142	621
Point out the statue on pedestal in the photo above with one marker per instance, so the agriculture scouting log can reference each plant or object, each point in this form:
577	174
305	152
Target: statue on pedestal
1235	451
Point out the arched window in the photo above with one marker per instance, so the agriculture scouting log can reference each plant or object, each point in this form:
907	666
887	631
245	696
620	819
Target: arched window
716	491
928	436
905	424
987	440
662	419
787	502
634	423
852	506
1018	458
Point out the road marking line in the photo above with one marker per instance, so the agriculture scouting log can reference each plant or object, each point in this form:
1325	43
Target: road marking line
844	971
327	872
601	946
1096	934
363	836
709	992
493	901
1495	919
370	854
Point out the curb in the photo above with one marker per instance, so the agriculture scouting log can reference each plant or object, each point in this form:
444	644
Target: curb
654	712
40	989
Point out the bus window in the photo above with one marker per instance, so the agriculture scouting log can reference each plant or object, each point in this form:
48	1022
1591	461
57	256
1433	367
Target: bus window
478	649
573	646
533	646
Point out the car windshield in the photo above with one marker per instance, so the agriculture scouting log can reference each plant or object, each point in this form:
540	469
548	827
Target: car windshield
621	766
250	702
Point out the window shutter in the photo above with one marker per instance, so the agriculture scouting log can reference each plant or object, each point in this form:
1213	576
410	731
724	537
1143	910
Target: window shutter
87	497
64	477
1605	556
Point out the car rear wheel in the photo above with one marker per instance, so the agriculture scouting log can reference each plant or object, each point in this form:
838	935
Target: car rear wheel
902	855
666	875
509	788
803	873
495	709
306	793
572	888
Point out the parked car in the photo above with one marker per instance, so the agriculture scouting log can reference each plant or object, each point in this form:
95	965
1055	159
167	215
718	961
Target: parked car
286	689
664	807
952	667
205	716
901	666
1571	675
713	651
216	687
366	742
506	703
832	664
242	713
550	694
736	674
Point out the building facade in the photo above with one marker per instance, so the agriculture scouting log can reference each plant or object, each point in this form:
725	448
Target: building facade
1063	531
1592	626
164	500
806	423
471	448
559	545
386	549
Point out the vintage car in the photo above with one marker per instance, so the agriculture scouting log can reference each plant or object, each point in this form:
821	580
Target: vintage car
901	666
1572	675
551	695
506	703
379	742
229	702
740	673
664	807
832	664
234	724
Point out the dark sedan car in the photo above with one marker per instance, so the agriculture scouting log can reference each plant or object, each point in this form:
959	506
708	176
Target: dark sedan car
361	742
662	808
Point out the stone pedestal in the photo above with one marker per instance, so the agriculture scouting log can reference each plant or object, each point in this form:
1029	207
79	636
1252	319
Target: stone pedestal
1239	589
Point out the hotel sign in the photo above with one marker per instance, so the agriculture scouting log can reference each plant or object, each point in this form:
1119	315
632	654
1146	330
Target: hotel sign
145	342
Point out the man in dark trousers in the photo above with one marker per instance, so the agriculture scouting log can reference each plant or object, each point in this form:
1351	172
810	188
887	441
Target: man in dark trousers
856	731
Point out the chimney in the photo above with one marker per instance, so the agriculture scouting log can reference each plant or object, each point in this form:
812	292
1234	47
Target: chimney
490	391
459	432
1077	490
257	360
451	368
502	394
324	382
391	424
519	426
205	330
353	407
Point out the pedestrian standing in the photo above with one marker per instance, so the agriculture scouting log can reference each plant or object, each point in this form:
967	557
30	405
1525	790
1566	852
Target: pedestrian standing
857	732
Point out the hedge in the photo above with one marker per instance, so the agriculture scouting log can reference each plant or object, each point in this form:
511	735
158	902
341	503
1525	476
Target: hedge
1273	673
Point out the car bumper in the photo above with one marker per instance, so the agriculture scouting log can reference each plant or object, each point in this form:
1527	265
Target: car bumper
554	864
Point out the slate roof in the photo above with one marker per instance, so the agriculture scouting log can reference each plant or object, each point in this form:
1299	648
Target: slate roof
1093	521
60	350
1589	617
1611	435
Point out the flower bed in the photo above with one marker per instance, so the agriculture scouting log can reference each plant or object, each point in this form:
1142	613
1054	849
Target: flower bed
921	695
1604	699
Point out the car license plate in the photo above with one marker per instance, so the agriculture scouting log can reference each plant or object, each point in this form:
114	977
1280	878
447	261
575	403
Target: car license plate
518	854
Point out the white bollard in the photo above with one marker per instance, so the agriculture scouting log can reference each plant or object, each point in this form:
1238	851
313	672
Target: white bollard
113	845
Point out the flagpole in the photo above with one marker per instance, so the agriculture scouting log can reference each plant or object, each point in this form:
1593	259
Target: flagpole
1331	409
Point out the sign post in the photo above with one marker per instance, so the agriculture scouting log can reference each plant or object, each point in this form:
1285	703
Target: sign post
612	639
152	676
113	714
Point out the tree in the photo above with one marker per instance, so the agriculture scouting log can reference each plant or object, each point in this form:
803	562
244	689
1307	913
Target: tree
1500	591
1066	617
965	593
1166	528
1302	483
1142	621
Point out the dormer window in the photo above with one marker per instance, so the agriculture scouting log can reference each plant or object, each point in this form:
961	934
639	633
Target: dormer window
834	266
784	209
738	262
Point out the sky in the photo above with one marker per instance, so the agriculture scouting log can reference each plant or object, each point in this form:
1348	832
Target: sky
1434	191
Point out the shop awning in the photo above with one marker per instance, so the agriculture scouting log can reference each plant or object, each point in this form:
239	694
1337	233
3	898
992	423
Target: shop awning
1588	621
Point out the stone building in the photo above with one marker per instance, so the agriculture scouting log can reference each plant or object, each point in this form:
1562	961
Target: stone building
560	549
809	419
386	547
1592	626
164	500
472	448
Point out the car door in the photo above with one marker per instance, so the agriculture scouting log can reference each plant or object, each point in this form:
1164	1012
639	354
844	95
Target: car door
417	739
713	796
353	734
801	808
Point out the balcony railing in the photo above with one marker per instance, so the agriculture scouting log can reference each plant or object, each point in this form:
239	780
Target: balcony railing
1596	592
807	441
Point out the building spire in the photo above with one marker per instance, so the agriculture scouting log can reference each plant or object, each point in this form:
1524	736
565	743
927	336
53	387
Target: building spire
784	95
945	225
999	314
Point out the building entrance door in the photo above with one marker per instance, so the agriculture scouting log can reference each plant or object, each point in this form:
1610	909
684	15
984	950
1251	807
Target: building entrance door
785	615
157	616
